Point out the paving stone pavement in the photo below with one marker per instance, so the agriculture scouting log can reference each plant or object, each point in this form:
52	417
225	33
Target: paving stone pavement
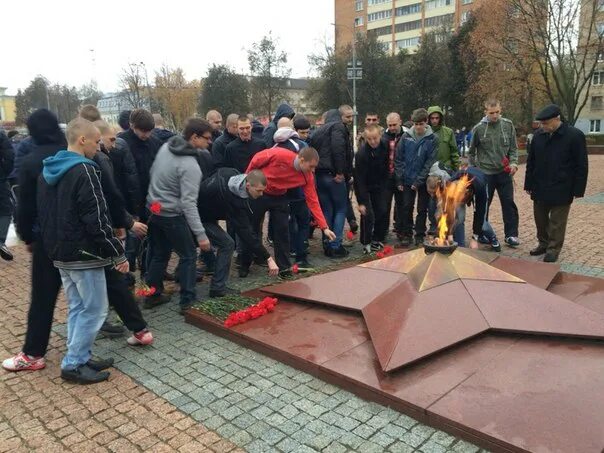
193	391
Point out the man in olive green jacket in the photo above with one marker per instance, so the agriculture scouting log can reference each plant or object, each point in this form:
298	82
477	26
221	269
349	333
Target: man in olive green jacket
447	153
493	149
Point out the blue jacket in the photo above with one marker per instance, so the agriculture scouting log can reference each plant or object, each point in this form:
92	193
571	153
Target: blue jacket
283	110
414	157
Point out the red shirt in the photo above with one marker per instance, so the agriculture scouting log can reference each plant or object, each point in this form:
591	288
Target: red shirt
277	164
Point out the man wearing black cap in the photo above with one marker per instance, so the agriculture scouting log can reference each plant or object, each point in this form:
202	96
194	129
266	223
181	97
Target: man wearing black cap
556	173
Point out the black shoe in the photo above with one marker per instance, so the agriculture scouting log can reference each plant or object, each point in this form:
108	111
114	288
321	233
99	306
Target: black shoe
5	253
223	292
184	308
244	272
101	364
550	257
340	252
84	375
155	301
112	330
539	250
419	240
406	241
285	275
304	264
354	226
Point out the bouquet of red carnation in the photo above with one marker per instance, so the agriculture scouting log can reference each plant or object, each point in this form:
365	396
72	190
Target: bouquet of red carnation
144	290
263	307
388	250
506	165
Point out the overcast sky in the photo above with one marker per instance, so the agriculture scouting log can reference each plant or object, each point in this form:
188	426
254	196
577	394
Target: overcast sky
55	38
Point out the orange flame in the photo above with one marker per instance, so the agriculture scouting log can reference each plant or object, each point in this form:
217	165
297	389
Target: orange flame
449	198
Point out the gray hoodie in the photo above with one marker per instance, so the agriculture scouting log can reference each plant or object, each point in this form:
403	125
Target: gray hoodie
237	185
175	178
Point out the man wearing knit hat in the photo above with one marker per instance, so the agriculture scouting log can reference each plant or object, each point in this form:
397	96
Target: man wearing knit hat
556	174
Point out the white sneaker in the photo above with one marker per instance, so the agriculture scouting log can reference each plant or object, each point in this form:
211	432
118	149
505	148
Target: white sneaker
142	338
22	362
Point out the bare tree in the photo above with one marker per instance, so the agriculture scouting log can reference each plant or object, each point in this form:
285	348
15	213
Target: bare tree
563	39
132	83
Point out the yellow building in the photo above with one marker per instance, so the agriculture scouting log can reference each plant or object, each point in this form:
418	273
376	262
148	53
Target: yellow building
8	109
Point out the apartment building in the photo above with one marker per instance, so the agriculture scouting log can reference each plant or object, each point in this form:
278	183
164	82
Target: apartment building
398	24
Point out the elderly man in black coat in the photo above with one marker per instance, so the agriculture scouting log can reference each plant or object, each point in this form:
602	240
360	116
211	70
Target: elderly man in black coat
556	174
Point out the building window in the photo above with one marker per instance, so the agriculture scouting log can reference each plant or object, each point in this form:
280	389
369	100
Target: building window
380	15
409	42
406	26
382	31
359	5
466	2
416	8
598	78
597	102
377	2
358	21
436	21
431	4
594	125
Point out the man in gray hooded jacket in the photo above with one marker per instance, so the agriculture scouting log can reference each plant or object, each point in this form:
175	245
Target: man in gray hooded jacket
172	200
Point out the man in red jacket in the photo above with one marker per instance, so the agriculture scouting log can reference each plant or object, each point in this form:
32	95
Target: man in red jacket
284	170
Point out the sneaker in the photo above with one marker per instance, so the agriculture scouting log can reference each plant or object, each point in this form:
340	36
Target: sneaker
495	245
112	330
142	338
340	252
354	226
367	249
184	308
512	241
222	292
84	375
100	364
5	253
375	246
155	301
482	239
22	362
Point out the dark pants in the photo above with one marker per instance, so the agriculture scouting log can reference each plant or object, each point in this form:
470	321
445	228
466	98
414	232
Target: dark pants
278	209
551	225
390	191
504	184
333	197
167	234
299	227
350	217
4	226
432	214
135	249
45	287
409	196
225	246
373	227
123	302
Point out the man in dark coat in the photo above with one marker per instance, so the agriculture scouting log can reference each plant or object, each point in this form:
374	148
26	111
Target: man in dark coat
6	199
240	151
219	145
283	111
556	174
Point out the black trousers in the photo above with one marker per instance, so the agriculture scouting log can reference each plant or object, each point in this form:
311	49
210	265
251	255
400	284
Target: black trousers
409	196
374	226
123	302
391	191
278	209
504	184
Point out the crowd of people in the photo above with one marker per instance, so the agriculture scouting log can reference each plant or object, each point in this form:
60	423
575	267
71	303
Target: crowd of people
93	204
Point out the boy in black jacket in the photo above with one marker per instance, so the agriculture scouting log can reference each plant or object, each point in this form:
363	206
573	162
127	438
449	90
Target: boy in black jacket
371	174
79	239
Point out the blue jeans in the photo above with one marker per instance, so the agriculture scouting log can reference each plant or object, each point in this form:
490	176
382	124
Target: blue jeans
333	197
167	234
459	232
86	292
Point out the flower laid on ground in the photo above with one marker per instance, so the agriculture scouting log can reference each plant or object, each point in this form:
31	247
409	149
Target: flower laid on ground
350	235
506	165
295	268
155	207
388	250
144	290
262	308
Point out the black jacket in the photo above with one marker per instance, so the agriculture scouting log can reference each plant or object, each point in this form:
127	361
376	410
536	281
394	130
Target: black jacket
144	153
238	153
48	139
219	148
75	228
370	170
218	202
125	174
205	163
163	134
284	110
118	217
7	158
556	168
332	141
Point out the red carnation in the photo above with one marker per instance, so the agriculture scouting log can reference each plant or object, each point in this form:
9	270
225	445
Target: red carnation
388	250
350	235
140	292
155	207
506	165
151	291
295	269
380	254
